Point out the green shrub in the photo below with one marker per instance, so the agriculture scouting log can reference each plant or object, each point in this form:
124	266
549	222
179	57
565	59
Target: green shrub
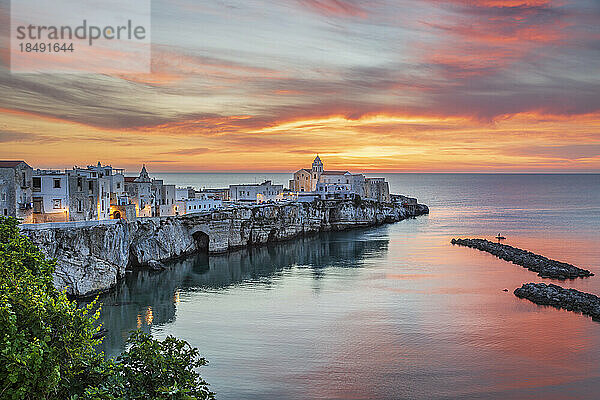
151	369
47	343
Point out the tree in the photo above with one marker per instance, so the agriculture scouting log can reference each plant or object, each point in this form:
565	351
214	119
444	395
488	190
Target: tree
47	343
151	369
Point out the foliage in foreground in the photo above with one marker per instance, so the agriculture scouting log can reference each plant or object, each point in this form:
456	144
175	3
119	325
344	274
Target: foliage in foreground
47	343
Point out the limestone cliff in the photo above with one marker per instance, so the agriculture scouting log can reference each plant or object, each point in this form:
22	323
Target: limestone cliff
91	257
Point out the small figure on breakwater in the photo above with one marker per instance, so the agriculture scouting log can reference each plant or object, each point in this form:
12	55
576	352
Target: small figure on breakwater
500	237
545	267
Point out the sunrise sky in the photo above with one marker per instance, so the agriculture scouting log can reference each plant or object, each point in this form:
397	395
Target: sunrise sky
380	85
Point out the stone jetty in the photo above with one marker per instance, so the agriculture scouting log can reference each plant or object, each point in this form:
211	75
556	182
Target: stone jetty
545	267
93	255
559	297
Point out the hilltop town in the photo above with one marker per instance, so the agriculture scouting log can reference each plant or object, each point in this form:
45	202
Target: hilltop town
101	192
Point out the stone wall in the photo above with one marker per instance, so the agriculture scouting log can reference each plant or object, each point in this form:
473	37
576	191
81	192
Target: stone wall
92	257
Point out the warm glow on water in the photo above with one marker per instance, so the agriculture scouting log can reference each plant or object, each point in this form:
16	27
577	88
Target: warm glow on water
390	312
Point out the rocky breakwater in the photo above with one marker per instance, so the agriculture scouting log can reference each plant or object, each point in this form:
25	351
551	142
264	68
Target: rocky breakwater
545	267
93	255
559	297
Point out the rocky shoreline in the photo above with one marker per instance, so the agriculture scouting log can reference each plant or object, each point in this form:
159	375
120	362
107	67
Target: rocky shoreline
545	267
559	297
92	256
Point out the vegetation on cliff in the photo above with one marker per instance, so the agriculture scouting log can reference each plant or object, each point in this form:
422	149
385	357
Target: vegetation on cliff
47	343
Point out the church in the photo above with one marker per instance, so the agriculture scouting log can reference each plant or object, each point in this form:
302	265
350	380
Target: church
305	180
338	184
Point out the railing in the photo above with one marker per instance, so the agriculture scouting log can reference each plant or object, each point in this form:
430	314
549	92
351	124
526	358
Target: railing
70	224
25	206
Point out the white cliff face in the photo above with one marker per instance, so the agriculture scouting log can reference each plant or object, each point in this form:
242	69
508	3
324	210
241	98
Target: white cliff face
159	239
91	259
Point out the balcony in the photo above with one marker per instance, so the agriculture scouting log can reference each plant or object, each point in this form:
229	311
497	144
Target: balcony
25	206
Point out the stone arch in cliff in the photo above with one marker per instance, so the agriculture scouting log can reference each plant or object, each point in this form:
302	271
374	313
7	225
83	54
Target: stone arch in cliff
201	238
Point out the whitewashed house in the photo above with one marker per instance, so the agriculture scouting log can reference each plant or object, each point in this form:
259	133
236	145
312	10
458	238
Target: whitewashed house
89	194
50	195
200	202
164	198
191	206
139	190
335	190
185	193
256	193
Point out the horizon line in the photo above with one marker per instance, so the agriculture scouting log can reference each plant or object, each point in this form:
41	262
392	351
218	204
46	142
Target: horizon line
387	172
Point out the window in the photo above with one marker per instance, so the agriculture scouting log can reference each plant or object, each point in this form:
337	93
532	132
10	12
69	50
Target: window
90	185
79	184
5	212
3	196
37	205
79	205
56	183
56	204
37	183
118	185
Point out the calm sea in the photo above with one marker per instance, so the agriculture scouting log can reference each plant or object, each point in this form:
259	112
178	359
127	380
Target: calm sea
394	312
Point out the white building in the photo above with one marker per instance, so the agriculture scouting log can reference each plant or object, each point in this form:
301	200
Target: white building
335	190
336	177
190	206
50	195
164	198
115	177
188	201
256	193
185	193
139	190
89	194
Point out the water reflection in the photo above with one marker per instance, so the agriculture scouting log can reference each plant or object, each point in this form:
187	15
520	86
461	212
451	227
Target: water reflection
393	312
145	299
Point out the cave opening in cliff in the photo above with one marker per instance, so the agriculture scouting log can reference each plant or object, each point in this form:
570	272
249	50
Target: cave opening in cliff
201	239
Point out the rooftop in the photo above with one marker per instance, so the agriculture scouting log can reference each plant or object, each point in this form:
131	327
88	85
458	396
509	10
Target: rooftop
10	164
